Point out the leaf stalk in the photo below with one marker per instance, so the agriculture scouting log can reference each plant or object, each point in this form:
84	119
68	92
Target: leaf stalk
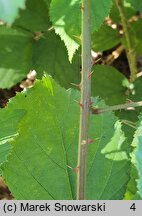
116	107
128	47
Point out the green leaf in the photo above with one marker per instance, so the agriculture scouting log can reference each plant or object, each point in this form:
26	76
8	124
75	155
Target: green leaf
136	94
4	151
129	117
131	193
128	11
137	134
65	16
43	155
108	172
8	131
15	56
16	45
34	18
32	47
45	143
66	19
19	54
101	43
9	119
107	82
135	33
99	11
138	155
21	50
135	156
9	9
54	61
137	4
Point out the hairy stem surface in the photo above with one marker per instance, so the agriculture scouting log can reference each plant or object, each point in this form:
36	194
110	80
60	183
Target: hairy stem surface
85	99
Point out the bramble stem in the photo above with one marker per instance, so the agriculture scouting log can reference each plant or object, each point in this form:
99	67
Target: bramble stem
128	47
85	99
116	107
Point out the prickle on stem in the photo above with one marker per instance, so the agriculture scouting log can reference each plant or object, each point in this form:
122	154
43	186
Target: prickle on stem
76	85
89	75
76	169
86	142
80	104
90	141
82	7
77	37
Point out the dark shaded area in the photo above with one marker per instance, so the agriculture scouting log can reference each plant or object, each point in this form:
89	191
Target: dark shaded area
6	94
120	63
4	191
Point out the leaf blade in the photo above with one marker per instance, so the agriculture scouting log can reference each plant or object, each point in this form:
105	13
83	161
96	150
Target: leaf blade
70	29
9	9
47	146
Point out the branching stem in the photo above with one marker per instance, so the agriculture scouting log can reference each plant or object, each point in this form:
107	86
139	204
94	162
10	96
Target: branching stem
85	99
128	47
116	107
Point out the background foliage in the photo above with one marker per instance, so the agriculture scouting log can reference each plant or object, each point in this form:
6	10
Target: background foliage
39	126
